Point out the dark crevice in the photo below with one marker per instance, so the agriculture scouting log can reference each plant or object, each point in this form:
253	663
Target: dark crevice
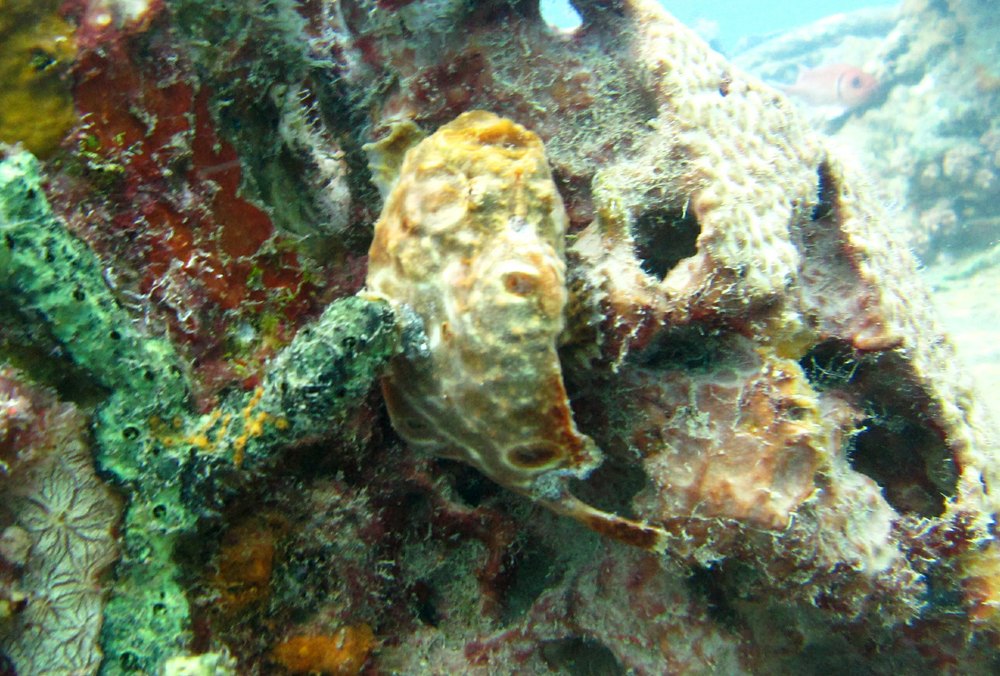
471	485
832	364
897	441
826	195
533	569
689	348
663	238
29	345
906	455
425	600
612	486
577	656
710	585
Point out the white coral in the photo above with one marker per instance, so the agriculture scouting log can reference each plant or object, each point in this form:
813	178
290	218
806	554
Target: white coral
69	516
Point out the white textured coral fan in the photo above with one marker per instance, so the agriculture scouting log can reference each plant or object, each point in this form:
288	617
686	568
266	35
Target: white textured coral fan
66	517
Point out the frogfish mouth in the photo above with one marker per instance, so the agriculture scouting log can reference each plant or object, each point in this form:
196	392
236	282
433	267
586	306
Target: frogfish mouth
470	248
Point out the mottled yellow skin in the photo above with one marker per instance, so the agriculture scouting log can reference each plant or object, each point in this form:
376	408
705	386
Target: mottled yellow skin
36	49
471	240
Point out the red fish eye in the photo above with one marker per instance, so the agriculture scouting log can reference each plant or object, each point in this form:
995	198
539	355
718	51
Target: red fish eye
856	82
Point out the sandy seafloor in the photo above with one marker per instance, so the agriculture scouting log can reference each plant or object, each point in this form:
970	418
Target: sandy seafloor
967	295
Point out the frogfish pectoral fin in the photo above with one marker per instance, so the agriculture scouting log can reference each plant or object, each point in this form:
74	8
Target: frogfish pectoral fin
630	531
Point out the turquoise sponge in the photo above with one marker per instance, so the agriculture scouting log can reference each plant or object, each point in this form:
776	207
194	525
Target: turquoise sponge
52	273
166	458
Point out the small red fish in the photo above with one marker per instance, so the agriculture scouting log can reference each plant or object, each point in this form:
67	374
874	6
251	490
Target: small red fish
838	84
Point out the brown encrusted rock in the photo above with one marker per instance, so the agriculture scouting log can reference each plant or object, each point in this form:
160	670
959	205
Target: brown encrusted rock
791	376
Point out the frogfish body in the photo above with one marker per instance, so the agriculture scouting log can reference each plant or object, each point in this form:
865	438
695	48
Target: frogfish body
470	244
837	84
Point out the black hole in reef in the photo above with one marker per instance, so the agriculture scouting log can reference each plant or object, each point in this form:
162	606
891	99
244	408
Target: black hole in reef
532	568
611	486
664	237
907	457
468	483
424	601
826	193
896	443
831	364
710	585
129	661
581	657
688	348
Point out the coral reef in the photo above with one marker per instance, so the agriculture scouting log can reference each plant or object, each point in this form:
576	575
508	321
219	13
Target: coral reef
632	239
929	141
932	135
935	141
317	379
948	167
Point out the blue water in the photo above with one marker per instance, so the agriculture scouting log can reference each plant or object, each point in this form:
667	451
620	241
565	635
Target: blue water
732	19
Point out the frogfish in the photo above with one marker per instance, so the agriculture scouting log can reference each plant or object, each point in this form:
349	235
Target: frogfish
470	248
837	84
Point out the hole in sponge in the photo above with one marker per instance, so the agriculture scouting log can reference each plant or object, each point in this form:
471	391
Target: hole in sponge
831	364
826	194
520	283
581	657
907	457
898	444
663	238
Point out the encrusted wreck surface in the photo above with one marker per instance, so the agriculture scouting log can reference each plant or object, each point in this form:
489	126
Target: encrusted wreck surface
932	140
729	319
